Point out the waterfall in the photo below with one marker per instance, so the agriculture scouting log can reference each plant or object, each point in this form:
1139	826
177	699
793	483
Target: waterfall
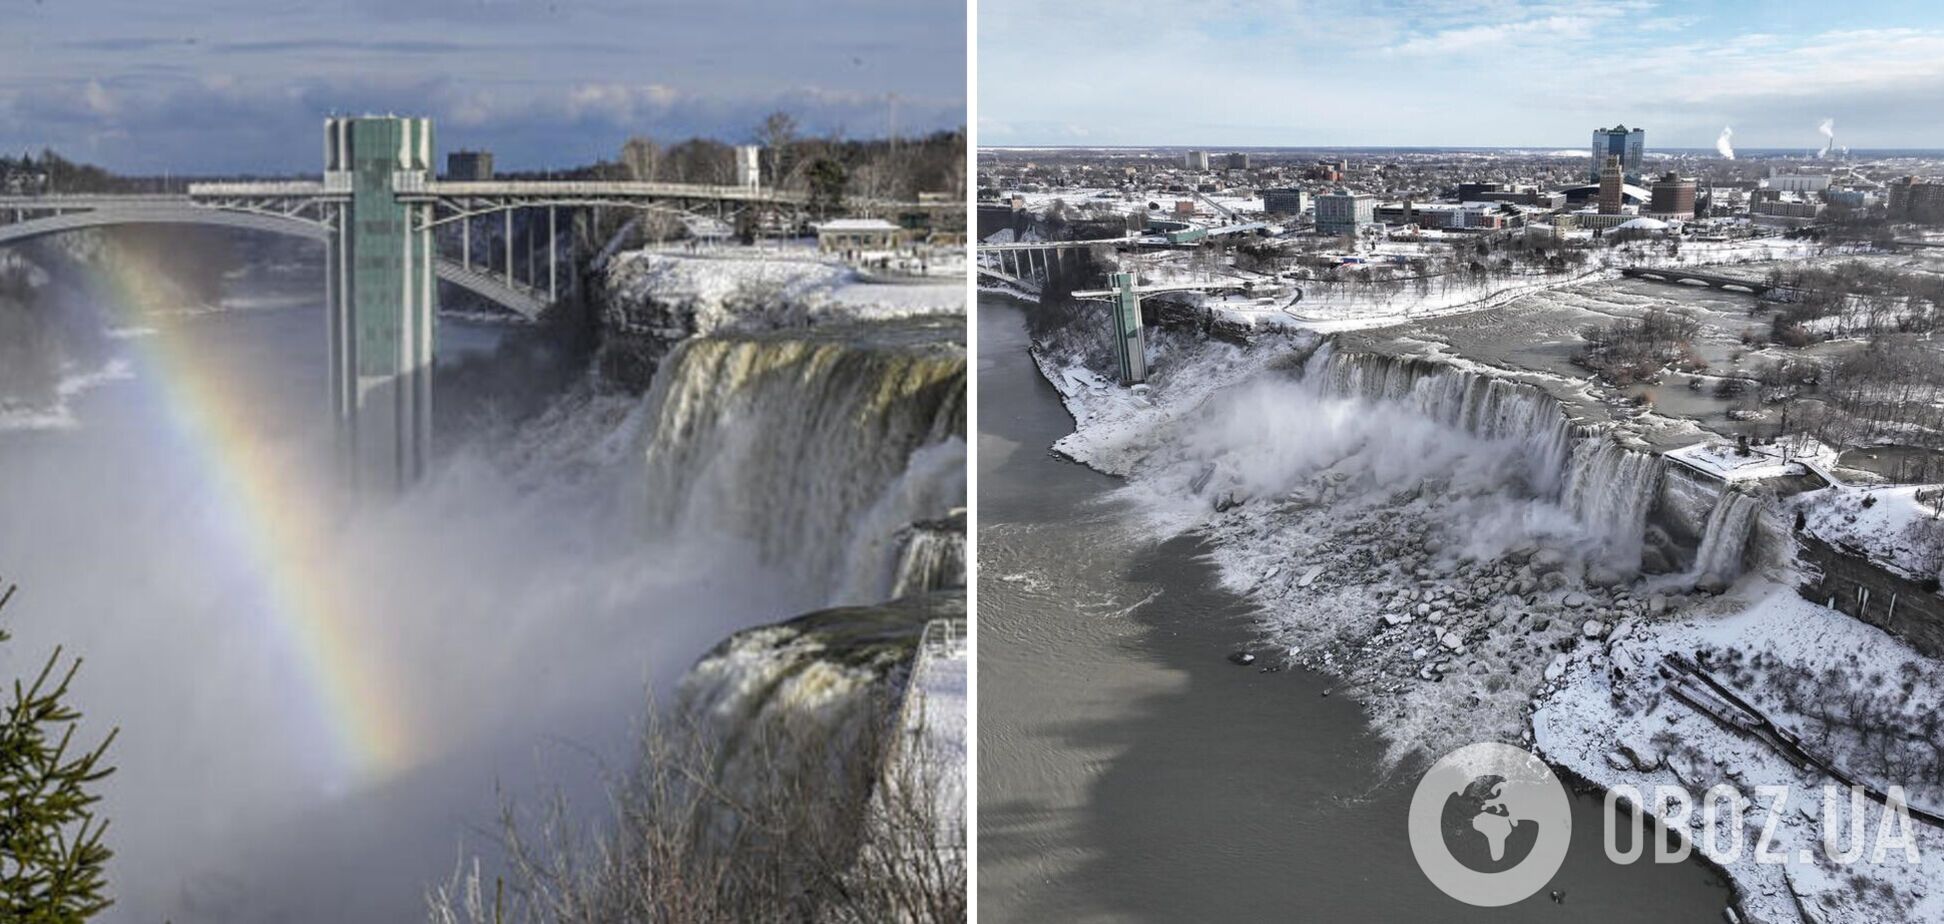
1726	537
1607	486
806	702
1610	488
820	446
1484	406
932	558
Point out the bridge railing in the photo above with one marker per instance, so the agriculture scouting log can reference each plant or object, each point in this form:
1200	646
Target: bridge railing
280	189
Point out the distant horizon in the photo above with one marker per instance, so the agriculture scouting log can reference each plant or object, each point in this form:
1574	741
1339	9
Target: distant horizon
1586	150
1405	73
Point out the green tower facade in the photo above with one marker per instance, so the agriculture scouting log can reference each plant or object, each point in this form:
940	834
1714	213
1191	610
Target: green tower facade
1130	342
383	297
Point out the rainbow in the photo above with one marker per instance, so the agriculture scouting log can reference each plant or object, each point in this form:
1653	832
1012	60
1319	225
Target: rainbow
282	536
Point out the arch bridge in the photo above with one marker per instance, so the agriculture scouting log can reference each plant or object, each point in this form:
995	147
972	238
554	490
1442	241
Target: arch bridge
1657	274
377	209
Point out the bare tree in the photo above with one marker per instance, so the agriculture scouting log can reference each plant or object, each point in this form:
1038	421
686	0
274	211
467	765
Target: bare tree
778	827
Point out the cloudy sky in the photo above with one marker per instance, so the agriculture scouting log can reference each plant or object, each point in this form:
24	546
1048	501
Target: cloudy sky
1459	72
243	85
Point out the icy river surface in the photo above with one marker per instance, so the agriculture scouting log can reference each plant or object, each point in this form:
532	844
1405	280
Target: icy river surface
1127	771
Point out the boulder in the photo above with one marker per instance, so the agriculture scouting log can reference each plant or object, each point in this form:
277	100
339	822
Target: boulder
1557	668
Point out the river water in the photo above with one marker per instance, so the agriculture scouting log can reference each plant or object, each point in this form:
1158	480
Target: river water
1127	771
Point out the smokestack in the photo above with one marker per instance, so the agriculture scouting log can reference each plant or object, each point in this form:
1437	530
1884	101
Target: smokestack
1722	146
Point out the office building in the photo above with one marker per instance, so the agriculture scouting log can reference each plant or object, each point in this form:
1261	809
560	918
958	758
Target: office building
1611	181
1285	201
1343	212
1619	141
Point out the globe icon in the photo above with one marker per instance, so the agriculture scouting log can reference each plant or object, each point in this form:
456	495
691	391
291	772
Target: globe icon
1489	824
1487	830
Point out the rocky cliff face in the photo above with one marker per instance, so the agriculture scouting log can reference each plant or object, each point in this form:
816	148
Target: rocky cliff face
833	678
647	303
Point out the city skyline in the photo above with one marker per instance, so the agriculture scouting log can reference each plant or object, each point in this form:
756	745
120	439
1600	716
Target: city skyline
228	86
1431	73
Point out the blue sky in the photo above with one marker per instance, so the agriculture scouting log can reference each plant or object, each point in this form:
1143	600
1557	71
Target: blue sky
1458	72
243	85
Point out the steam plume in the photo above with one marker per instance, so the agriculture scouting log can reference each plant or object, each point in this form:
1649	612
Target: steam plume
1828	129
1721	144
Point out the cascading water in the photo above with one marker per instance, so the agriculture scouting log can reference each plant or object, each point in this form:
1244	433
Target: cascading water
1605	485
1610	488
1483	406
820	446
933	557
1726	537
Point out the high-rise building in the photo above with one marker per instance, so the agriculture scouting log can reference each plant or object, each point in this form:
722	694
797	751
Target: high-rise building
1618	141
1913	199
1341	211
1238	161
1673	197
1195	160
1287	200
1611	181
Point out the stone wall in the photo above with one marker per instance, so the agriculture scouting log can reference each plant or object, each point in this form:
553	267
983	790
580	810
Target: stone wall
1853	584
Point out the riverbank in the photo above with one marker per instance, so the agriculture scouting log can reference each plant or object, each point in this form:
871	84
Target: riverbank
1129	771
1447	547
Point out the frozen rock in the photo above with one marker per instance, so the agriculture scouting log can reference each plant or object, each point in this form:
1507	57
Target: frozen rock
1393	619
1546	561
1242	657
1624	629
1601	576
1553	580
1643	760
1309	577
1656	605
1593	628
1557	668
1450	640
1575	600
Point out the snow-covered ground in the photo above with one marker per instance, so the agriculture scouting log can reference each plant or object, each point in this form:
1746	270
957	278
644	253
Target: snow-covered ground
730	286
1898	526
934	726
1418	564
1609	718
